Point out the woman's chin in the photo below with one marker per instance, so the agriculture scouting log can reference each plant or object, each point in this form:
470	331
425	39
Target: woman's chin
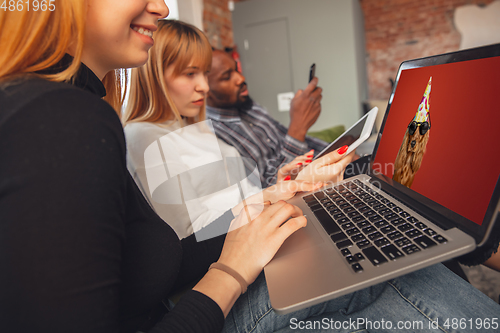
137	62
191	113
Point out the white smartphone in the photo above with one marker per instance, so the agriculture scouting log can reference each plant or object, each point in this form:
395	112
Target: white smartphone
355	135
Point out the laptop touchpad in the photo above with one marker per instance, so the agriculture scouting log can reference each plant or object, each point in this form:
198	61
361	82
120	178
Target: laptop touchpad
302	239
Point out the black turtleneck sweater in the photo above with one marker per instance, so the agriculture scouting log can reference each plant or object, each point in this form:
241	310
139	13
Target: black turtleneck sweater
80	248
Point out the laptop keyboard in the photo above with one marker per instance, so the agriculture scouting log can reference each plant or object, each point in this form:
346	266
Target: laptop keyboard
353	213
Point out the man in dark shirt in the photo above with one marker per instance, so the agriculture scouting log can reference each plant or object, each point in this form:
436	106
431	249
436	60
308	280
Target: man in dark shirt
250	129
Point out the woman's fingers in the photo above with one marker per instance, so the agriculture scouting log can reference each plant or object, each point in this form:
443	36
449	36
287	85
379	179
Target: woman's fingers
258	213
286	190
295	186
345	160
282	212
339	166
349	158
290	170
289	227
249	248
336	171
332	157
248	213
328	168
264	210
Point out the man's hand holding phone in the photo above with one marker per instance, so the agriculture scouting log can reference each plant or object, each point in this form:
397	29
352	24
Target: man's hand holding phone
305	108
312	72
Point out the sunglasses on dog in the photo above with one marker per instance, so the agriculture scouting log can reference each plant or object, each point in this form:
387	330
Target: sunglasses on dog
423	127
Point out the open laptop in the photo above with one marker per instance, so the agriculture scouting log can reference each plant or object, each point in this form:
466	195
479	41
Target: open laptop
444	111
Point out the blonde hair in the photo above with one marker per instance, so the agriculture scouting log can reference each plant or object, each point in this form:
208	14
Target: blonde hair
33	41
176	43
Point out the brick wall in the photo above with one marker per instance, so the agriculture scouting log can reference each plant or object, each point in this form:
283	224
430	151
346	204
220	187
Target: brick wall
217	23
396	30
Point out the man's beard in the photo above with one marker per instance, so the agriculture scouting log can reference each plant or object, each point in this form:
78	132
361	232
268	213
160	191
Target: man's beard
245	104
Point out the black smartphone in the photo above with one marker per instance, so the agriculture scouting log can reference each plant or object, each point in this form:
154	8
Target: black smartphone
312	72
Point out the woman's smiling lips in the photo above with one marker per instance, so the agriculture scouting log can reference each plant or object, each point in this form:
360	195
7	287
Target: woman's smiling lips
144	32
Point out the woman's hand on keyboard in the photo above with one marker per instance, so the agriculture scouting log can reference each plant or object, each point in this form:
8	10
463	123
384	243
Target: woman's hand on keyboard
256	234
280	191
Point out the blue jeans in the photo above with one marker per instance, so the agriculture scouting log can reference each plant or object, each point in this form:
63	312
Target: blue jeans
432	299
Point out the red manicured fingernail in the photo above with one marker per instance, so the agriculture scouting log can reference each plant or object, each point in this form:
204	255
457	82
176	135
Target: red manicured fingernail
342	150
287	178
310	155
308	161
299	164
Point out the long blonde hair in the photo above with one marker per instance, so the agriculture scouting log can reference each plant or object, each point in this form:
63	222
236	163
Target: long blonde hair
176	43
33	41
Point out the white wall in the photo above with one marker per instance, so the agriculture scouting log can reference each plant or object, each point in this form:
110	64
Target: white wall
478	25
191	11
173	8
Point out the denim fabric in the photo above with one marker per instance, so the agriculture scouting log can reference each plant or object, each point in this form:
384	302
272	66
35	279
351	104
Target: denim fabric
423	301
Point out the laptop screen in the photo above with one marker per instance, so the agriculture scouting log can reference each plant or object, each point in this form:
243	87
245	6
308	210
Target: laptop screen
441	134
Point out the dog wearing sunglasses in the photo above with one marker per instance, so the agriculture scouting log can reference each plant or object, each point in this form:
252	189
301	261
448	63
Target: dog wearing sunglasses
412	150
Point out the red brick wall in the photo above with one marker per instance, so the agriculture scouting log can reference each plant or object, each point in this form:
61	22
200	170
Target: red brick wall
217	23
396	30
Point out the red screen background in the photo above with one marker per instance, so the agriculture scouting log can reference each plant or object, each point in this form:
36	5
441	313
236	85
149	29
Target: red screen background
462	162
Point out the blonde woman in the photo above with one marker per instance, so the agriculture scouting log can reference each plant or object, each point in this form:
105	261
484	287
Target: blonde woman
167	95
80	248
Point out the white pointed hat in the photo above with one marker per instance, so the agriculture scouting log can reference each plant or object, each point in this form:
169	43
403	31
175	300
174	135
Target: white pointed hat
424	106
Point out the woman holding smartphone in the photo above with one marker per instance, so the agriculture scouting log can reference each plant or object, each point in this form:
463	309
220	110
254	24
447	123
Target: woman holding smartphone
80	248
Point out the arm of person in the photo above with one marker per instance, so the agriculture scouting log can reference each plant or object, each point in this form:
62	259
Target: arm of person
488	254
494	261
62	224
248	247
61	235
268	166
254	238
204	246
221	287
304	110
289	150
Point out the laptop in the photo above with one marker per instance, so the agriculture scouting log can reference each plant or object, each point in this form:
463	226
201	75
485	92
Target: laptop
431	193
